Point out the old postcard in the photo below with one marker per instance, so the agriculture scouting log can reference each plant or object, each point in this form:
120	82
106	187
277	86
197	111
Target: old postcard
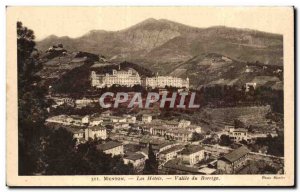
150	96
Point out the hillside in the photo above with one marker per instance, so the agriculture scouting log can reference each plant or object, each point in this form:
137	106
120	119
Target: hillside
69	72
161	44
216	69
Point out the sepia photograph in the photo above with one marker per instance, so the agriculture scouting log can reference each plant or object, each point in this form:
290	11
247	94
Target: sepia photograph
150	96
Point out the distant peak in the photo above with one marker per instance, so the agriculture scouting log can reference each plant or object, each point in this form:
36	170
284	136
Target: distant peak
165	20
150	19
51	37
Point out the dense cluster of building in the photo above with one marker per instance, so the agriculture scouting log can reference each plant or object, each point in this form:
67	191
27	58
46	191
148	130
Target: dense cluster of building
131	77
130	137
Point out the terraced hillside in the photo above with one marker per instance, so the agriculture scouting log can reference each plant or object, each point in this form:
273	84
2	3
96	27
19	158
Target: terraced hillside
250	116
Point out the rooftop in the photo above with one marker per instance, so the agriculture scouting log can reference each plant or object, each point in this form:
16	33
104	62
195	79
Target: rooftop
240	130
134	156
96	128
147	115
236	154
74	129
191	149
175	148
108	145
96	118
207	171
180	131
175	164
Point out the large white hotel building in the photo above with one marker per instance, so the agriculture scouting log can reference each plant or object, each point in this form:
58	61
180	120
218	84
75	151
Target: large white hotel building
125	78
130	78
162	81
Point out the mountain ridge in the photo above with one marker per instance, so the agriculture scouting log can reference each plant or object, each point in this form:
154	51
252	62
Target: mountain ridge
163	41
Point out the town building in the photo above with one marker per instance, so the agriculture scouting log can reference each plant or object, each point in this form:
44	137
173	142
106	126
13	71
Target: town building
78	134
179	134
58	101
175	167
238	135
77	120
184	123
234	161
170	153
249	69
194	128
192	154
136	159
106	113
117	119
121	126
111	147
96	132
130	119
207	171
146	118
80	103
249	85
95	121
60	119
127	78
85	119
163	145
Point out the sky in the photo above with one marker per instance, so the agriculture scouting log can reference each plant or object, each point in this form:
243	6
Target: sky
77	21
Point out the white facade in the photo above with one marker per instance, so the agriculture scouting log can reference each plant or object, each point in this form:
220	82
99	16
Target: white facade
238	135
163	81
137	160
85	119
179	135
95	132
184	123
112	147
115	151
170	153
192	156
96	121
78	134
248	85
146	118
124	78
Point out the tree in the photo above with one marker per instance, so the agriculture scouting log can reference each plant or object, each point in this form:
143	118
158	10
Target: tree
244	142
268	169
197	136
151	164
63	157
225	140
25	48
31	104
60	155
238	123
